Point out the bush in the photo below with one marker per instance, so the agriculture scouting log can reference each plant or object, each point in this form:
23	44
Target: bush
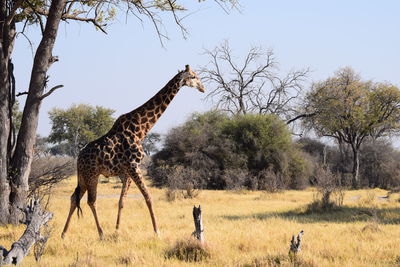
215	151
195	153
328	186
189	250
270	181
235	179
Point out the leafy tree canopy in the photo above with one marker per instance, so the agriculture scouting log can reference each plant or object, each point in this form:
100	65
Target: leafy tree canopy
350	109
78	125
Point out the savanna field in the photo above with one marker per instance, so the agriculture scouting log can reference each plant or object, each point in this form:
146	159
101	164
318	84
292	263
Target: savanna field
242	228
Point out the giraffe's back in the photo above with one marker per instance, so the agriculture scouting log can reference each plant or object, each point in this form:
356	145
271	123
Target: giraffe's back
111	155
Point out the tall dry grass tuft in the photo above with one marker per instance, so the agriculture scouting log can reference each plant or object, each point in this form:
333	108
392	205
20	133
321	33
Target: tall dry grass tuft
127	258
368	199
171	195
87	260
373	226
189	250
280	260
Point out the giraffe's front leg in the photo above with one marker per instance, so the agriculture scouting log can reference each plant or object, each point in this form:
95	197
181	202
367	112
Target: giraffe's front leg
126	182
138	179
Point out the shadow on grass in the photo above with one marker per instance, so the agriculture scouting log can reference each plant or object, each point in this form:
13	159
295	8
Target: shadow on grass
343	214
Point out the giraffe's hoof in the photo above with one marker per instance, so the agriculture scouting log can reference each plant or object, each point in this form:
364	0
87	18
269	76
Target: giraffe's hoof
157	232
101	236
62	235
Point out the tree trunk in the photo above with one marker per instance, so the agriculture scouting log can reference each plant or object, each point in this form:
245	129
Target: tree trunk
4	134
22	158
342	168
356	167
7	37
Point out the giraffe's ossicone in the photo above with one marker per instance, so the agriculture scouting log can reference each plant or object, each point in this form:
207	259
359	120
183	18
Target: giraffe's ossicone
119	152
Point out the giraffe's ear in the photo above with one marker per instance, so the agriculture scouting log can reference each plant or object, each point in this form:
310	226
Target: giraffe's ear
187	68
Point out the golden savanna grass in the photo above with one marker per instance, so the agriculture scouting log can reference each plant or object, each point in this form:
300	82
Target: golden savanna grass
242	228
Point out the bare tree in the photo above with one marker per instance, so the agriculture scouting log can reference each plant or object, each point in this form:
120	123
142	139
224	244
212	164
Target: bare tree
254	86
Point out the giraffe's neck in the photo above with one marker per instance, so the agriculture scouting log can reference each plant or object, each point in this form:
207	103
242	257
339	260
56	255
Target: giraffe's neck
145	116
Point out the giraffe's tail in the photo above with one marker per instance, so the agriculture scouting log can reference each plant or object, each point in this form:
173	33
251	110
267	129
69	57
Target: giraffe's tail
76	195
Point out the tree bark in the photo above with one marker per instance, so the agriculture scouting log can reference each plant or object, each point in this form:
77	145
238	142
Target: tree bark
7	32
36	218
4	135
342	167
356	167
22	158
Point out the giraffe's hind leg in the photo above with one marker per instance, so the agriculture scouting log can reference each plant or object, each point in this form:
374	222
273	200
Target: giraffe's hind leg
126	182
138	179
76	196
92	195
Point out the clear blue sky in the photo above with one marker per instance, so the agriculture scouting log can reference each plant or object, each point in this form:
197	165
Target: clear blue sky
123	69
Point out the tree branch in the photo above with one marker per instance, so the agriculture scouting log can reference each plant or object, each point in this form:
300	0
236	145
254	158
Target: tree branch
51	91
21	93
91	20
66	16
301	116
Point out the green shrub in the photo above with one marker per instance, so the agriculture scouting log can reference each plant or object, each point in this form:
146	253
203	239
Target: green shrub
215	151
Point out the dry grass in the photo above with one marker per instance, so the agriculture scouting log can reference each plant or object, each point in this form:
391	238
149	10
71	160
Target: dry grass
189	250
242	228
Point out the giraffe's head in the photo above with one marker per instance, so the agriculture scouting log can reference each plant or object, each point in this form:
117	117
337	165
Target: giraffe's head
190	78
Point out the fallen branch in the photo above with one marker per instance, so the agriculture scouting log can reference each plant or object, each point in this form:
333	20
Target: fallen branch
35	219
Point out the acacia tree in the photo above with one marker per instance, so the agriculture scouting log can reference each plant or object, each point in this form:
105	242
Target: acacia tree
16	150
349	109
252	86
78	125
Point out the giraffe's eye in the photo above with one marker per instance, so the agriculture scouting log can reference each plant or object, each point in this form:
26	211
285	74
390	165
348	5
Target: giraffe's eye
192	77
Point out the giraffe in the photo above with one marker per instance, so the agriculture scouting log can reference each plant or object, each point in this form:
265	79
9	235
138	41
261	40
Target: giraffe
119	152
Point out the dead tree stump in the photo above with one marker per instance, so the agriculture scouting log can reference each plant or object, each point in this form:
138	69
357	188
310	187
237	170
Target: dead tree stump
295	244
35	219
198	224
